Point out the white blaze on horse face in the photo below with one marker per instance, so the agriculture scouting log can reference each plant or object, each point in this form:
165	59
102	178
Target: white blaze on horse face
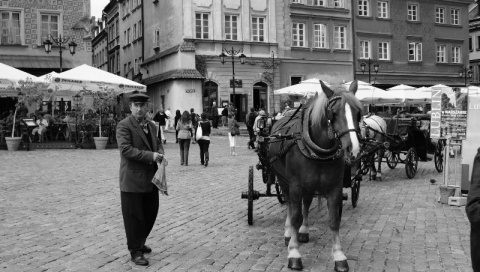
353	134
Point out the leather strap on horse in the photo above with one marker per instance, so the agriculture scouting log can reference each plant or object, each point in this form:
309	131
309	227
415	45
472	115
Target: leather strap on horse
283	150
308	141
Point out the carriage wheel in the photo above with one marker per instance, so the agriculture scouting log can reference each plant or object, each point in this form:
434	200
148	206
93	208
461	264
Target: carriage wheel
411	163
364	165
280	196
355	191
250	195
438	157
392	159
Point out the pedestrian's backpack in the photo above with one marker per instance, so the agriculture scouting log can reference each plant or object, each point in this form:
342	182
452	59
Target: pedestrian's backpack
251	118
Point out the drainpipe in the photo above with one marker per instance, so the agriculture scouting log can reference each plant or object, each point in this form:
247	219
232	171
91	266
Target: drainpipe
143	32
354	51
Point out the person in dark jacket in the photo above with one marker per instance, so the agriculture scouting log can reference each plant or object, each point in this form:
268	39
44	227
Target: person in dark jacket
161	117
140	150
178	115
214	115
250	120
204	141
225	116
473	213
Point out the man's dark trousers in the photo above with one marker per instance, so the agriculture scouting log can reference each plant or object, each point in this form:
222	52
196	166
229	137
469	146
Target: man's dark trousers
139	213
251	134
215	121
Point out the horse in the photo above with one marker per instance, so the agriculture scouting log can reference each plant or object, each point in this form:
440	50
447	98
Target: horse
310	154
375	128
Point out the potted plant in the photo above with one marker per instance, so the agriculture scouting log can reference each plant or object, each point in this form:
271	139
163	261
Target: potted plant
102	100
28	92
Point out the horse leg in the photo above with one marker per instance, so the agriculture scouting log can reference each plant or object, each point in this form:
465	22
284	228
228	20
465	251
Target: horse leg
295	207
288	225
303	234
373	170
334	201
381	154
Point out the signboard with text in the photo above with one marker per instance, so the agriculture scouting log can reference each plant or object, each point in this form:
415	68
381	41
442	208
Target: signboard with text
449	113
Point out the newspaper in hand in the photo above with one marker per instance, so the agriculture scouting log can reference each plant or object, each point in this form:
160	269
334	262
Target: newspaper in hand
160	179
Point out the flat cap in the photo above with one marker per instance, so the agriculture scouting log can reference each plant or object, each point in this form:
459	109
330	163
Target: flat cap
138	97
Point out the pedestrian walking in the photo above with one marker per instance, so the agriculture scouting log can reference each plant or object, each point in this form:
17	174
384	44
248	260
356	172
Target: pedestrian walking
214	115
178	115
250	121
194	117
161	118
184	127
225	116
204	141
233	131
473	213
140	150
169	121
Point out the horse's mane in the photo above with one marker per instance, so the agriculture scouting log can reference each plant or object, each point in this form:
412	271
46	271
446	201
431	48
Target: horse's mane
320	103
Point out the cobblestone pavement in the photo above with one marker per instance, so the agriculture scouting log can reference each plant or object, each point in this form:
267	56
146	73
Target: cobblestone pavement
60	211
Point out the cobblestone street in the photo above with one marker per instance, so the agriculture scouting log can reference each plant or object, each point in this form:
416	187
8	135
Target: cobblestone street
60	211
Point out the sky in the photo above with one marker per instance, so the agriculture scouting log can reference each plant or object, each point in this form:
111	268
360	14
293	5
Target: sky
97	7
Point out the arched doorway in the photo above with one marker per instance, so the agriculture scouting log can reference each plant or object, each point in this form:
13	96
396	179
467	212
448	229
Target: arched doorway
260	91
209	95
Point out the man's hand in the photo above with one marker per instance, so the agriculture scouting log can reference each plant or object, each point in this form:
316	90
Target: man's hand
157	157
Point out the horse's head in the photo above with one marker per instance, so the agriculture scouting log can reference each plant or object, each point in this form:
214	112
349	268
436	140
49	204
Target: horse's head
344	114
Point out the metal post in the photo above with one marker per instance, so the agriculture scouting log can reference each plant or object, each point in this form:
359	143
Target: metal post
369	71
273	80
233	70
61	58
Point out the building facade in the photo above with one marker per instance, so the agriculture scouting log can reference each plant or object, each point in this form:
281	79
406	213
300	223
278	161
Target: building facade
26	25
112	18
418	43
100	46
474	43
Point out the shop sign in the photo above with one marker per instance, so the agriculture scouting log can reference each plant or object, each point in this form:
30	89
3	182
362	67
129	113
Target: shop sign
190	90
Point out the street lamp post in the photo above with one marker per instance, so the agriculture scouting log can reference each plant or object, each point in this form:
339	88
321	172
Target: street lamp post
233	53
272	55
76	99
369	64
60	42
465	73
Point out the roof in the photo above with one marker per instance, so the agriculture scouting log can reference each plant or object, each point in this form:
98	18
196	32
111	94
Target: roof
174	74
42	62
184	47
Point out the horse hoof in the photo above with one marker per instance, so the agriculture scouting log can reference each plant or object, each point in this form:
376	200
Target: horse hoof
303	237
295	263
287	240
341	266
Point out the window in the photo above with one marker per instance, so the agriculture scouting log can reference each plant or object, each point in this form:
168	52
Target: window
319	36
134	31
128	6
365	49
125	37
129	68
258	29
382	9
439	15
201	25
441	54
135	3
478	43
363	7
340	37
125	71
456	54
319	3
10	27
117	32
455	16
118	62
135	67
140	34
412	12
470	43
294	80
298	34
157	38
128	36
231	24
384	51
50	23
414	51
338	3
297	1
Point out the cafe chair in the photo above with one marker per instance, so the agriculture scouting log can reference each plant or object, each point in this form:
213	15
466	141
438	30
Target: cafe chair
72	128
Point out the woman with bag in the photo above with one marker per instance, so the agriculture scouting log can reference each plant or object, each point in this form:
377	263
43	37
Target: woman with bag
233	128
203	138
184	128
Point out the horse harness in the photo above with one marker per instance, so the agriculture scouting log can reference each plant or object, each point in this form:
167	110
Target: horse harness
302	137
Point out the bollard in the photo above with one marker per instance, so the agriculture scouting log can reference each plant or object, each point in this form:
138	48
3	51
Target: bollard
473	213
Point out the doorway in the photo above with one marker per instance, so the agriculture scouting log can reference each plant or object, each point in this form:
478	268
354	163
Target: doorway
260	96
240	105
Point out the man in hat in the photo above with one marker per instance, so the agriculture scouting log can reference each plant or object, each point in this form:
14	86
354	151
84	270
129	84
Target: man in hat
140	151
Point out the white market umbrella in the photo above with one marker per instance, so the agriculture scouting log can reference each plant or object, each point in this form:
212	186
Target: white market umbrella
401	87
370	95
473	90
91	78
440	86
424	89
306	88
9	78
60	89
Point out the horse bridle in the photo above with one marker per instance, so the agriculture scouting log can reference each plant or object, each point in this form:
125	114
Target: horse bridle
330	114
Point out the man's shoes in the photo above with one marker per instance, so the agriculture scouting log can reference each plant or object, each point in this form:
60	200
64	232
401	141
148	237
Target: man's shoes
201	163
206	163
140	260
146	249
164	141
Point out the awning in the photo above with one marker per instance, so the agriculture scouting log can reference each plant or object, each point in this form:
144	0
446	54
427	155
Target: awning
37	62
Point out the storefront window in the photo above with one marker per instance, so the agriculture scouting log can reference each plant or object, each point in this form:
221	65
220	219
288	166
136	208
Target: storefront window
210	95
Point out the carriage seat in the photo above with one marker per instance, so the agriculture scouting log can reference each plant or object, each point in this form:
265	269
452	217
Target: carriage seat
399	126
